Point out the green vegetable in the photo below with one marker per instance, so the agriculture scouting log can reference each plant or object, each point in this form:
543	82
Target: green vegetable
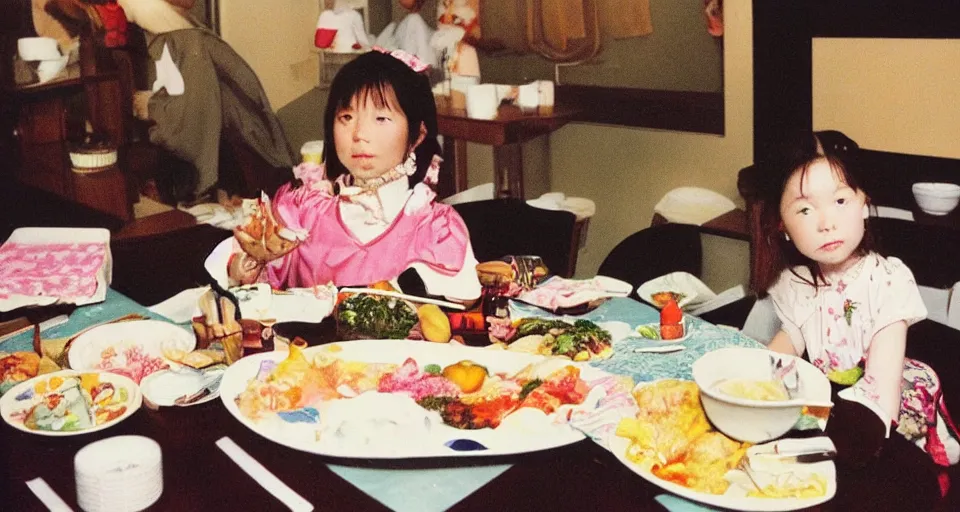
570	339
375	316
846	377
648	331
435	403
433	369
529	387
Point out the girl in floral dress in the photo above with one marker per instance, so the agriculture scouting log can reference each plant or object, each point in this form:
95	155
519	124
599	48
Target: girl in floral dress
843	304
369	213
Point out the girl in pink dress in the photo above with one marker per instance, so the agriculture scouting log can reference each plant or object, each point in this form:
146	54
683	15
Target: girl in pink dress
369	213
843	304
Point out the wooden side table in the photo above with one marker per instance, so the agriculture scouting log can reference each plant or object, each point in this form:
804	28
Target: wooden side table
505	133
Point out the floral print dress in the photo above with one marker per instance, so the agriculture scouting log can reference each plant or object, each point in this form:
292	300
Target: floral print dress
835	324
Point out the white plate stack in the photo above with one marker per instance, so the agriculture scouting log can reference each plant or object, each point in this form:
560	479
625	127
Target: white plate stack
119	474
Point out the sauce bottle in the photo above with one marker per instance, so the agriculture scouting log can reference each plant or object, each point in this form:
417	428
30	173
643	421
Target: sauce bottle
671	321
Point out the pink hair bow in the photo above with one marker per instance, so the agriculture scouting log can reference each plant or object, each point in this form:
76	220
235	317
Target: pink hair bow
411	60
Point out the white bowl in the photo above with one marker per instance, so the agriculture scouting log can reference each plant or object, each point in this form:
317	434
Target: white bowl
38	48
936	198
754	421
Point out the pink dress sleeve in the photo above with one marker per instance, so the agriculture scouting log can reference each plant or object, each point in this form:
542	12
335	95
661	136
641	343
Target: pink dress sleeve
441	240
895	295
299	208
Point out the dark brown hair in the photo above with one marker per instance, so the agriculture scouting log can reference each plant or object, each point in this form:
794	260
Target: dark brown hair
375	74
795	153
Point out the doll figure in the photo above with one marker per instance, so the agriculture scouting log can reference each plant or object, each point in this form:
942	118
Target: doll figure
411	34
341	29
458	25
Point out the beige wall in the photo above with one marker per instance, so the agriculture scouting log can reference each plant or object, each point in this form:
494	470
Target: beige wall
275	38
890	94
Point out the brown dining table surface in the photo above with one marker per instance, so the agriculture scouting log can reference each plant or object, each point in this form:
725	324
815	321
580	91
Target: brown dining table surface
583	476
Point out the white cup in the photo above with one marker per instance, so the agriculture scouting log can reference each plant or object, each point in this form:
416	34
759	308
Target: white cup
38	48
118	474
312	151
528	97
482	101
49	69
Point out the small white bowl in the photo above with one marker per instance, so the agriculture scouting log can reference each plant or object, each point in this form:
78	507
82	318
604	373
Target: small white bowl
754	421
936	198
38	48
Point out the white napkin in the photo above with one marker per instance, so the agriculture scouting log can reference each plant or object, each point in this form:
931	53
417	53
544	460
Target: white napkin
692	205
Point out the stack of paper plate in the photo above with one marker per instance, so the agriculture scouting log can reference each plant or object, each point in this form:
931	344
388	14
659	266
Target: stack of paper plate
122	473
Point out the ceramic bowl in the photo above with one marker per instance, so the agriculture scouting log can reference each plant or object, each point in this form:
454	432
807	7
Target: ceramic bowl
38	48
754	421
936	198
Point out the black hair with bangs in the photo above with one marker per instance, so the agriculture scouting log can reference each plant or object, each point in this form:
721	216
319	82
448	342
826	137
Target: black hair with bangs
796	153
376	73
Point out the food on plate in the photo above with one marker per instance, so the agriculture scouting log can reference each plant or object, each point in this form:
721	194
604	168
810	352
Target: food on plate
130	362
582	340
792	485
467	375
671	437
53	270
766	390
671	321
70	403
262	236
661	299
364	315
463	395
648	331
16	368
434	323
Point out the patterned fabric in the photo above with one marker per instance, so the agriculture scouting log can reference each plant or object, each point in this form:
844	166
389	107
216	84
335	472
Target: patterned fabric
703	338
923	416
411	60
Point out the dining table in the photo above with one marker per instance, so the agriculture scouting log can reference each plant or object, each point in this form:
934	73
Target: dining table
198	475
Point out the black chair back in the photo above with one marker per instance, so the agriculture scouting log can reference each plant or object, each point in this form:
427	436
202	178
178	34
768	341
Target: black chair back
653	252
502	227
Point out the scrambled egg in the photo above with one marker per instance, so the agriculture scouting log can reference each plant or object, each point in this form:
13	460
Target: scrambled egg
672	438
766	390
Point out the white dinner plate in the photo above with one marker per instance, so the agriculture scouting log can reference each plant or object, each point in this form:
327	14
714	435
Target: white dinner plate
153	336
501	441
694	291
618	445
22	398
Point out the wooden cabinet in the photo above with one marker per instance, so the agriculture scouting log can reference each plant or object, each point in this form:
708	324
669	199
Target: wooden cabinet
49	117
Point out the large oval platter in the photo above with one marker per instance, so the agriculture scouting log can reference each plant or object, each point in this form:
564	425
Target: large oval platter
535	432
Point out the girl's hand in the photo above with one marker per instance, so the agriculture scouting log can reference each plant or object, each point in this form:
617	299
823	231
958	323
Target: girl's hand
243	268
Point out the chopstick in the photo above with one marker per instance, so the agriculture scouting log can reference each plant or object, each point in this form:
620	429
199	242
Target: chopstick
263	476
42	490
411	298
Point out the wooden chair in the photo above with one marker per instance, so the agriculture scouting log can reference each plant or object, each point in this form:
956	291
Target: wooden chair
502	227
